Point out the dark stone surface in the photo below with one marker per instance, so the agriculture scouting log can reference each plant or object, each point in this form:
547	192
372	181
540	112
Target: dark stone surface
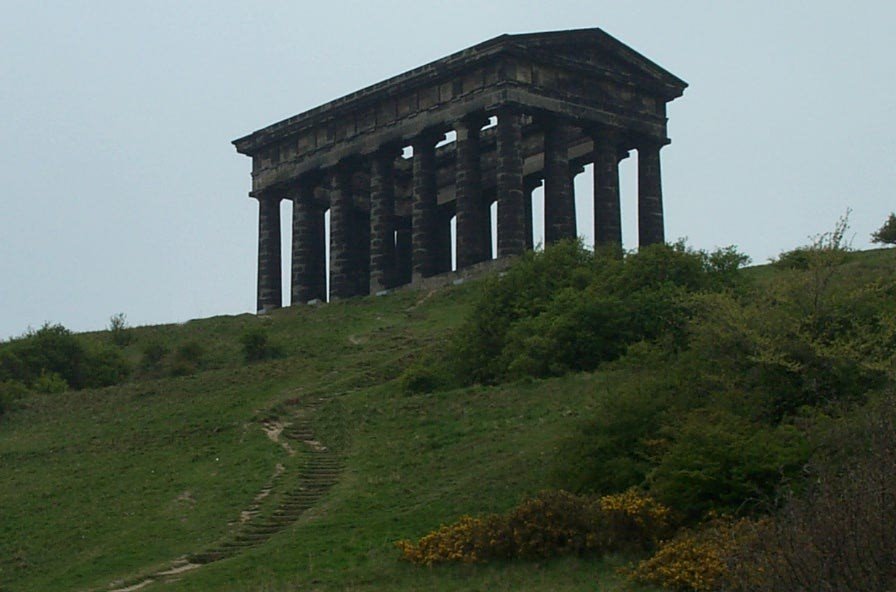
650	195
423	224
308	249
607	208
382	220
559	200
270	287
530	184
468	192
343	283
511	210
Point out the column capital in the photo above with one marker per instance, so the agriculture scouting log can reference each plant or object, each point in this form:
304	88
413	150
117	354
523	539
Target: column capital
472	122
427	139
275	193
532	182
387	152
508	109
650	143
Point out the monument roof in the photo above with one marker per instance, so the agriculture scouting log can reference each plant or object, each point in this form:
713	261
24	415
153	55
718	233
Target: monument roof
590	49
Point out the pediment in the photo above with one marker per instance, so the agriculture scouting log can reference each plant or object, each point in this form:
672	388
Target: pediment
595	49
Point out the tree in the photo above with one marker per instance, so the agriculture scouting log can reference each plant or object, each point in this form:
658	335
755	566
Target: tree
886	234
119	330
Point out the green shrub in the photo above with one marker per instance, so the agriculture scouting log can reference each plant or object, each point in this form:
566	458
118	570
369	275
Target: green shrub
257	347
50	382
104	367
119	331
187	359
11	392
567	308
886	234
617	447
152	355
51	356
837	533
718	461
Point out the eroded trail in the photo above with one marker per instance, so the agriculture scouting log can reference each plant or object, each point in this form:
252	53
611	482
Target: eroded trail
278	505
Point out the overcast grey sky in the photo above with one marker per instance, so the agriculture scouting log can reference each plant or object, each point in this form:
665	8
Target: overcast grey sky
121	191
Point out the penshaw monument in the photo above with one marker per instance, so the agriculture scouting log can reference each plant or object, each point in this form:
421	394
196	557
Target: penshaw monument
395	162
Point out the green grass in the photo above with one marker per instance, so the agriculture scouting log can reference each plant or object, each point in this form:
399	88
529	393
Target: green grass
107	485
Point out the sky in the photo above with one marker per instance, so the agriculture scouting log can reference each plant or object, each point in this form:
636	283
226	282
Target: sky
121	192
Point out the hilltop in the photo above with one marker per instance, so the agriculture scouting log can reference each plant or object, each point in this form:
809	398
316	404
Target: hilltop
301	468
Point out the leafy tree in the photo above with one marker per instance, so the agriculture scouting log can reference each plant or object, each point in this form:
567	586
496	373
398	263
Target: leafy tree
119	330
886	234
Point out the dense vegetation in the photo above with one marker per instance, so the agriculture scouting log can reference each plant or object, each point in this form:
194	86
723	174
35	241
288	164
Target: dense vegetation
752	410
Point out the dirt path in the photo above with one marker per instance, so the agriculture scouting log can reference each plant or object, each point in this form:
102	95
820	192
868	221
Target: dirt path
274	508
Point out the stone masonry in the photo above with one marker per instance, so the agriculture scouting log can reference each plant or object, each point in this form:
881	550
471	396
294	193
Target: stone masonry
524	110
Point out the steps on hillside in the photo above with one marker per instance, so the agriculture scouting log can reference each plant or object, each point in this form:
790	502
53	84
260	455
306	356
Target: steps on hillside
278	505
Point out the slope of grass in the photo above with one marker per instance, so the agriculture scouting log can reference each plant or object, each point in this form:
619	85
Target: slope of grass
101	486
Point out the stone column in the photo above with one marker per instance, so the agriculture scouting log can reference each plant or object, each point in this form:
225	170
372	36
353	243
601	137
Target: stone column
308	249
382	220
442	240
361	238
468	188
650	195
559	199
530	184
270	285
342	274
607	209
403	251
424	208
485	223
511	224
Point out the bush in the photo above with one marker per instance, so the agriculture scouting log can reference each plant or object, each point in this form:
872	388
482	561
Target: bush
837	535
616	449
104	367
187	359
119	330
550	524
696	560
719	418
153	354
50	382
567	308
11	392
50	349
886	234
722	462
256	346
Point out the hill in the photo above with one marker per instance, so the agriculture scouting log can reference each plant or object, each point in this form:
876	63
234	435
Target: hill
207	472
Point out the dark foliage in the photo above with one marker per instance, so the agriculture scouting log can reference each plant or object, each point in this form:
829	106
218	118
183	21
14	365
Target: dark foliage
53	351
187	359
568	309
257	347
839	534
886	234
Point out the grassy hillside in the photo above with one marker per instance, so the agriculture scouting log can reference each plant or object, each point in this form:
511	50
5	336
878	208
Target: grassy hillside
295	473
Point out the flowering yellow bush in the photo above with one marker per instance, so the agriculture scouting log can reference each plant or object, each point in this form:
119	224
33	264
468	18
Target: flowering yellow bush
469	540
552	523
633	520
695	560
